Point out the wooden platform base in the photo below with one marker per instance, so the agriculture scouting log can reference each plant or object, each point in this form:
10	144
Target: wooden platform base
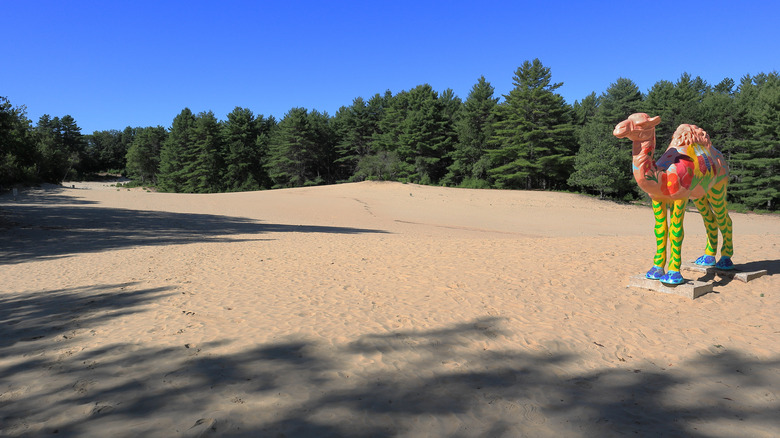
742	276
690	289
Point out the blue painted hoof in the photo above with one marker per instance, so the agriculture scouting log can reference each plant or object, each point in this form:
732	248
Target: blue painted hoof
672	277
725	263
705	260
655	273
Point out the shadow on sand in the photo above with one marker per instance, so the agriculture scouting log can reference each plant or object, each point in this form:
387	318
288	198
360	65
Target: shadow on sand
441	382
48	226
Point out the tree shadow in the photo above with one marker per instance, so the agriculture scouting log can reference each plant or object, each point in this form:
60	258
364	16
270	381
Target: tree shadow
54	314
49	194
423	383
44	232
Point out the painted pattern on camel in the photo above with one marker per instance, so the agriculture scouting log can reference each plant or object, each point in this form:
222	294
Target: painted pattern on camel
691	168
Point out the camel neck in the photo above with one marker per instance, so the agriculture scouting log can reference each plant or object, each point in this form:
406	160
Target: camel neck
643	147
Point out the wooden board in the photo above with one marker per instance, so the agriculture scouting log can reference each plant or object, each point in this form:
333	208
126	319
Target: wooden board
742	276
690	289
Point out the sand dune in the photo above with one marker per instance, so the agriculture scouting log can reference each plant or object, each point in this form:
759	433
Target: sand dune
372	309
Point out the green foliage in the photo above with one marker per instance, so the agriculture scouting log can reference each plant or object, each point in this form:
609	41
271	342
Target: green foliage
59	145
246	150
143	155
474	130
176	153
107	150
302	150
602	163
203	173
356	127
381	166
755	160
17	152
425	135
598	162
534	139
531	140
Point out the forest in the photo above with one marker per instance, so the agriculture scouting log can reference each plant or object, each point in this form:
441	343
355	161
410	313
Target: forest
528	139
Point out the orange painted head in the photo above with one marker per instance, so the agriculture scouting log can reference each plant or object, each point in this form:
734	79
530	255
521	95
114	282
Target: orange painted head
637	127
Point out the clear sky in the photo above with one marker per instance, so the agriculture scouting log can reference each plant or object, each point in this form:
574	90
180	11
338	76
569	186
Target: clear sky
112	64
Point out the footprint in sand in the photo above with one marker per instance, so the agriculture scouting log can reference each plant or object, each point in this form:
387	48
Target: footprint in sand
101	408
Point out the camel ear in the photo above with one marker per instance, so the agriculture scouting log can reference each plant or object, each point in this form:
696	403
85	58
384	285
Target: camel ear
649	123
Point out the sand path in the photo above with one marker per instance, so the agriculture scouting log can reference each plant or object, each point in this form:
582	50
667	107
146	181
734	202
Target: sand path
372	309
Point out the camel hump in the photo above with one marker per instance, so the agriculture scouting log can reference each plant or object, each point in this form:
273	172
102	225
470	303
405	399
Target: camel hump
690	134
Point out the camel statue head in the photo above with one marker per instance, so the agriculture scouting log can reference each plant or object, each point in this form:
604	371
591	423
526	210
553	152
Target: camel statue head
637	127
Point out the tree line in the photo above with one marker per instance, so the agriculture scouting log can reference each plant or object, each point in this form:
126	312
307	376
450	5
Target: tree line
530	139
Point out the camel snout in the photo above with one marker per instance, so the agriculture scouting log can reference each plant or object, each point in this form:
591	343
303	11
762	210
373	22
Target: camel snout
621	130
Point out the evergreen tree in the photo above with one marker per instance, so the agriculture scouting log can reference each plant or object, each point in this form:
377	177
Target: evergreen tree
603	163
425	137
107	150
243	156
720	115
17	151
395	110
60	146
355	126
177	152
583	112
143	155
291	151
534	135
365	141
755	161
599	163
676	103
474	129
204	172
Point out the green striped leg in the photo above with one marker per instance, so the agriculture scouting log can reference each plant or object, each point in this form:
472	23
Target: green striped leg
717	199
711	226
676	234
661	233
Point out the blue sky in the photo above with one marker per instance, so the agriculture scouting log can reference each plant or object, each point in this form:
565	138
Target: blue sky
112	64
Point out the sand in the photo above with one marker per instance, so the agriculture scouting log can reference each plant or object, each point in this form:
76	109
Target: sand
372	309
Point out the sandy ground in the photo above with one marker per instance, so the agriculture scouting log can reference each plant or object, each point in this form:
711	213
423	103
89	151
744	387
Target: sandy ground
372	309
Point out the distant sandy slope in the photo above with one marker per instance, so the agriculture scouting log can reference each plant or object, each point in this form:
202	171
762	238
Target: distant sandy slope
372	309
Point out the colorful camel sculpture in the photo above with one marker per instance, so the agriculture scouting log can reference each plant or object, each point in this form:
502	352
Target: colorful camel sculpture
691	168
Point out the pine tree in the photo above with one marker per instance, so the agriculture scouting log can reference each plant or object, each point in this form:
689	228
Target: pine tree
603	163
176	153
355	126
598	163
143	156
583	112
204	172
378	160
290	161
323	139
534	135
243	157
425	135
474	129
755	161
676	103
17	150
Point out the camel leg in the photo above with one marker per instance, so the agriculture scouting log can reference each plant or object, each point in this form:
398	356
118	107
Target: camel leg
711	226
717	198
661	235
676	235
